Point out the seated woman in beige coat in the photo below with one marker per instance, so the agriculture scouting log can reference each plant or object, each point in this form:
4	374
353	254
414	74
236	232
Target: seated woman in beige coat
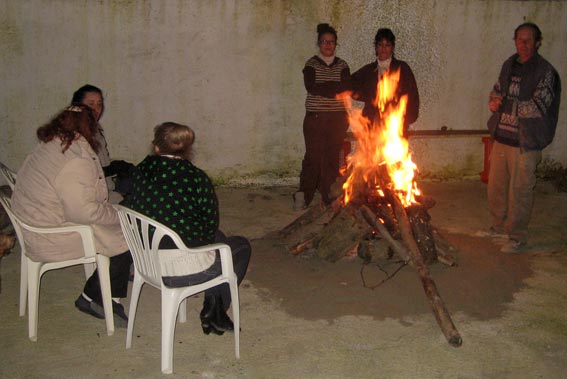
61	182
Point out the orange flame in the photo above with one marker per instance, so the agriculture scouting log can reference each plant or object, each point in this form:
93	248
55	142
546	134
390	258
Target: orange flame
381	143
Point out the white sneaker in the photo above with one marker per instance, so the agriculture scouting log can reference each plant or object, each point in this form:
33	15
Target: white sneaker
298	201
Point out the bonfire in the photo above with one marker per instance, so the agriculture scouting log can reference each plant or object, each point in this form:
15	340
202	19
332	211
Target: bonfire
378	203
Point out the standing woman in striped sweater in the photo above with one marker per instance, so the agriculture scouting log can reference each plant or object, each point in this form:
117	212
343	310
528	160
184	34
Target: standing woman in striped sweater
326	122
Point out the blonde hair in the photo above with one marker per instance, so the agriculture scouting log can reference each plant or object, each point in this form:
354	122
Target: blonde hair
174	139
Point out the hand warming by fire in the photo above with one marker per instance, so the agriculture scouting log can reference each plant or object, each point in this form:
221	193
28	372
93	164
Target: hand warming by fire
381	159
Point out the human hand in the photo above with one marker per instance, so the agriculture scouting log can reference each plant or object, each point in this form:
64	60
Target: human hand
494	103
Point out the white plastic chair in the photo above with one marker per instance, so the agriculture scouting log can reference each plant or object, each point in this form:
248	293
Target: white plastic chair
34	270
8	174
143	236
10	177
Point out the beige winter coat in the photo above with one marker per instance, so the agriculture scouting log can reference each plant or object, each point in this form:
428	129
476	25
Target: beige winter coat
56	189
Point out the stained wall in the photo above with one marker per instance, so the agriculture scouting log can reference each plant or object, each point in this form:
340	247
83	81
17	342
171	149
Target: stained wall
232	71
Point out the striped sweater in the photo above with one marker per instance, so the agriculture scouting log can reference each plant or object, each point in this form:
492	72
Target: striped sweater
323	83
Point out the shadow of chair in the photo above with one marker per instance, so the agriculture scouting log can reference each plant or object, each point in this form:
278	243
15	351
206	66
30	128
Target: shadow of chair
34	270
143	236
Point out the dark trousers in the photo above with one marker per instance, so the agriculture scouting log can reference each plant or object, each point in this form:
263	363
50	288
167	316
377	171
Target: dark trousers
324	134
119	273
241	251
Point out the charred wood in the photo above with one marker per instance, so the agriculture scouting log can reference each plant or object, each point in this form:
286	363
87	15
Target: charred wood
439	310
342	234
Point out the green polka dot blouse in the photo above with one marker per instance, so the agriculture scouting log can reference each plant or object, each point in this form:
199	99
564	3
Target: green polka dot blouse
179	195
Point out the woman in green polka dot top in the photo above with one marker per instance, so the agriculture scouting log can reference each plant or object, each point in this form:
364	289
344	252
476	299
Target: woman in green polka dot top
168	188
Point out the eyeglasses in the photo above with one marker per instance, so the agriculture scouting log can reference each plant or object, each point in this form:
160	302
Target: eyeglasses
327	42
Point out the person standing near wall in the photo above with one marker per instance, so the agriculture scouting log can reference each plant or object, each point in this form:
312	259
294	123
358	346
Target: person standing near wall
326	122
365	80
119	170
525	104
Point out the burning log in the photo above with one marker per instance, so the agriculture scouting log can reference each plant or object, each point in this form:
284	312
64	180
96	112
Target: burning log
333	230
342	234
314	213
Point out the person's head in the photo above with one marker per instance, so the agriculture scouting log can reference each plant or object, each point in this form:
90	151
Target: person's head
384	42
527	38
175	139
326	39
91	96
73	121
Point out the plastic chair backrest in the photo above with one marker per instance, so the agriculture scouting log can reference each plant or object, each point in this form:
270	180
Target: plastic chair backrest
7	204
143	236
29	283
9	175
84	230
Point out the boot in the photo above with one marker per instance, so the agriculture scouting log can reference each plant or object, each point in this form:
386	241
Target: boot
221	321
207	314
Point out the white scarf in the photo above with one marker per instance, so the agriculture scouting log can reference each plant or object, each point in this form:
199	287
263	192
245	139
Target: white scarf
327	60
383	66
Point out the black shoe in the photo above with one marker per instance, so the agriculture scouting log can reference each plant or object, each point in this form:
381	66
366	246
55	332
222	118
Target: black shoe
208	328
208	313
221	321
120	318
85	306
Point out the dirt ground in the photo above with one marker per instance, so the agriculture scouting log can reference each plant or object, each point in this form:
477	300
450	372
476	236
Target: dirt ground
307	318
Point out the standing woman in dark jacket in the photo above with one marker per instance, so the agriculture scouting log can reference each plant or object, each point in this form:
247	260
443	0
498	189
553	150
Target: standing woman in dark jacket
365	80
326	122
168	188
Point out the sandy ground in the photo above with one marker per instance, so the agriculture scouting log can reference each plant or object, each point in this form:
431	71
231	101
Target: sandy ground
305	318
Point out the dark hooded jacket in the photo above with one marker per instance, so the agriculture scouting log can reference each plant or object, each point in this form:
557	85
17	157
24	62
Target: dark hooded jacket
365	81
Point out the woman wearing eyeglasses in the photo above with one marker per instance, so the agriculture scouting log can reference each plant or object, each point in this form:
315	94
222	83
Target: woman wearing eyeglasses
324	128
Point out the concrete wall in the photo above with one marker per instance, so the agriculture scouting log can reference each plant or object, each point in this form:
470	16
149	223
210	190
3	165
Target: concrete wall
232	71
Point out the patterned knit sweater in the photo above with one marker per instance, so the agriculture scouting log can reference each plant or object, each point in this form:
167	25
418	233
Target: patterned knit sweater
323	83
179	195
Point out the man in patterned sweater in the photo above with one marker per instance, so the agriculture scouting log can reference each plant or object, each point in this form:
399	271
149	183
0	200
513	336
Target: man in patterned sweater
525	105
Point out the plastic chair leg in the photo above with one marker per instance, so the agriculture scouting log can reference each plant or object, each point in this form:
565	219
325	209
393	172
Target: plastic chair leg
169	306
182	314
134	298
34	278
103	264
23	284
235	316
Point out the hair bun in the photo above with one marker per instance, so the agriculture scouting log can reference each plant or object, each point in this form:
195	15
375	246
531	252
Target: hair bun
321	28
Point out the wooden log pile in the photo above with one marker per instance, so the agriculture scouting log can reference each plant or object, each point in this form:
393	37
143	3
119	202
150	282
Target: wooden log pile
377	227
